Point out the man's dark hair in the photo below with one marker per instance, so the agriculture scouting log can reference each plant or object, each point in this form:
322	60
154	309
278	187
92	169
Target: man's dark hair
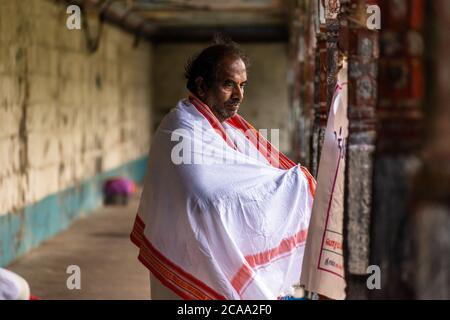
207	63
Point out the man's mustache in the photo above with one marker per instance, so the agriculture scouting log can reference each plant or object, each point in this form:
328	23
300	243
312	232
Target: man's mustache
233	103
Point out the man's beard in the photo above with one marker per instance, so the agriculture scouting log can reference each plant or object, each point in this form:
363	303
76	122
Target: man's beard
228	109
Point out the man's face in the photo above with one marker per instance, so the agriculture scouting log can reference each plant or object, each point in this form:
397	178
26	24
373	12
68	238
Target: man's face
227	92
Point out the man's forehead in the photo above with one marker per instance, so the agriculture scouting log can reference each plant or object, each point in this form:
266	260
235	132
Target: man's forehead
232	67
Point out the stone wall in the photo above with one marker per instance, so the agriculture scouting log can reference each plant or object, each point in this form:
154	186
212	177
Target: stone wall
66	114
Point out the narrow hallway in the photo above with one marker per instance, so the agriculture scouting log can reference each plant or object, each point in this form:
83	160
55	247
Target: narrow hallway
354	93
99	244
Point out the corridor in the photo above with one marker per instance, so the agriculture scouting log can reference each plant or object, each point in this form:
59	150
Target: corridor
85	84
99	244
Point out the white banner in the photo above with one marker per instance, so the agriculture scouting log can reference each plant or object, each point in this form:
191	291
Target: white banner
323	263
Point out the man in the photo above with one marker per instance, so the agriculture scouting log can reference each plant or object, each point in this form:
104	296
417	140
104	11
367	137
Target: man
223	214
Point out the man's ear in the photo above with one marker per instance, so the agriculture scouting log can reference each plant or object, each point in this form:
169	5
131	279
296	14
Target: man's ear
201	87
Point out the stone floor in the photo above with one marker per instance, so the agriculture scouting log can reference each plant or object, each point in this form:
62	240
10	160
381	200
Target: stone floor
99	244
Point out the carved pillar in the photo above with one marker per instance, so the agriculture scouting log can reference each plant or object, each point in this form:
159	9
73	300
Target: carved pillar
309	74
302	76
294	79
320	98
326	68
363	53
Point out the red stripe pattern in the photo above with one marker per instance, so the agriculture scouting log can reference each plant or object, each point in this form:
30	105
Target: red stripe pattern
247	272
212	119
273	156
172	276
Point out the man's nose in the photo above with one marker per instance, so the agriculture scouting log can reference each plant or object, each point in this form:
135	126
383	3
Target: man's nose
238	93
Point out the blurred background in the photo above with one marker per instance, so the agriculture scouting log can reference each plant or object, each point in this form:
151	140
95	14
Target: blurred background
83	88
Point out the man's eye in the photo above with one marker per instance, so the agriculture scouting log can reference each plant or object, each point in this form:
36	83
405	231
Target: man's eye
228	84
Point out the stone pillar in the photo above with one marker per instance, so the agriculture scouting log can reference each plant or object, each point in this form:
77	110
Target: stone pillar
320	100
363	52
326	71
303	58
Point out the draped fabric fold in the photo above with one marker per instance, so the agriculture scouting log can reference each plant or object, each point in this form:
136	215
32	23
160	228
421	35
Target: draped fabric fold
223	213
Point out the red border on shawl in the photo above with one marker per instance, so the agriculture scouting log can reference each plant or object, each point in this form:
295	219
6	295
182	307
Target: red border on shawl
246	273
172	276
275	157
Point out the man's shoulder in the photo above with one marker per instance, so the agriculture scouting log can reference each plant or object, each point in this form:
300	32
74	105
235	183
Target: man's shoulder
183	114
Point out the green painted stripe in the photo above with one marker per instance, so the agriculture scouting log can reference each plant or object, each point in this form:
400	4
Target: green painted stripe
23	230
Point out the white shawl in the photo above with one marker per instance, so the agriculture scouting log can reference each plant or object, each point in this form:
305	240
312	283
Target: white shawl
227	225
